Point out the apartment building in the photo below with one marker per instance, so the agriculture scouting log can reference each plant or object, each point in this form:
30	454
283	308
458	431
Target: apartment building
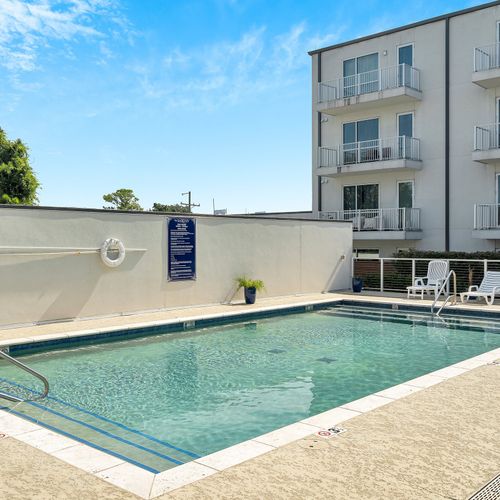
406	141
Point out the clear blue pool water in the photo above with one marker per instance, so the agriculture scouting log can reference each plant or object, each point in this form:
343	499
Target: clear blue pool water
163	400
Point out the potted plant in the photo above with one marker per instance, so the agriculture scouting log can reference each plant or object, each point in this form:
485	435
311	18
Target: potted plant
251	287
357	284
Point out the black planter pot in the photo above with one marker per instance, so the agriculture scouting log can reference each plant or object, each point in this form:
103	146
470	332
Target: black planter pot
357	285
250	294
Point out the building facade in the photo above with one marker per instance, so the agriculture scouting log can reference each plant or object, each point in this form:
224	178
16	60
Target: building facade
406	141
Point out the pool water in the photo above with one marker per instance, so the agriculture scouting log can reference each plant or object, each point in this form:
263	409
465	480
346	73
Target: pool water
164	400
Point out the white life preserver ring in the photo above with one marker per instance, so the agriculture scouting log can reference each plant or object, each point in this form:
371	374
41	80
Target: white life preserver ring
112	244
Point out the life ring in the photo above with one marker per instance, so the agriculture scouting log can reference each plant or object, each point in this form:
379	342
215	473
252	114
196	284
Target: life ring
116	245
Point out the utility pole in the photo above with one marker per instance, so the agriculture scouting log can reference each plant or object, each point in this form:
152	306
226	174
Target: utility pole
189	204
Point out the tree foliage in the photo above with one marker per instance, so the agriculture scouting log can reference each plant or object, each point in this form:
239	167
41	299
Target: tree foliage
176	208
18	182
122	199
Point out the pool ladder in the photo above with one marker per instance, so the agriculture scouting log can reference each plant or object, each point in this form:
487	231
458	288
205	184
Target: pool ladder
452	297
26	368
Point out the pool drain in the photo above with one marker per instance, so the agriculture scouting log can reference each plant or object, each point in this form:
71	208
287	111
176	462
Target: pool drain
327	360
276	351
490	491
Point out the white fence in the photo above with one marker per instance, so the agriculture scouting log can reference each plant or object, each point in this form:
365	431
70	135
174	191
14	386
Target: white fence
379	219
486	137
392	148
487	57
486	216
392	77
395	274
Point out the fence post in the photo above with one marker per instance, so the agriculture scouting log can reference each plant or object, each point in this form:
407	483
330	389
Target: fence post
485	266
413	271
381	275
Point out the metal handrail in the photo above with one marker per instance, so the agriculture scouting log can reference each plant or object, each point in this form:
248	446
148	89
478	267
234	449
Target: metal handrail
26	368
453	296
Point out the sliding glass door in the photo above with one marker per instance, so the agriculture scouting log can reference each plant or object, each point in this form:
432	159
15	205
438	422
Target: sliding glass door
360	141
361	75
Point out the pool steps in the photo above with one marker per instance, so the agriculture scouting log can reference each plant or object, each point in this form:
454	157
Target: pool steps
114	438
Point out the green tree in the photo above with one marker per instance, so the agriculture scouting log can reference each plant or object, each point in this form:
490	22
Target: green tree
122	199
18	182
177	208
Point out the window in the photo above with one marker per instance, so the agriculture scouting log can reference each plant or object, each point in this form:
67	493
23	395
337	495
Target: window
360	141
405	54
405	125
361	197
366	253
405	194
361	75
405	62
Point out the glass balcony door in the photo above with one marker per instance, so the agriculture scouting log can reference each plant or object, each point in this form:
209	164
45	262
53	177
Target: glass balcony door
361	141
405	61
405	200
361	75
405	129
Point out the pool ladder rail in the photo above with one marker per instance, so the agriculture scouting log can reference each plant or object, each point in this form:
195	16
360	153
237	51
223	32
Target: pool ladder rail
452	297
29	370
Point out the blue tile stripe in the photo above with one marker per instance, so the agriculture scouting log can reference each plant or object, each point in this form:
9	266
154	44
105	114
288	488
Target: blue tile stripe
81	440
107	420
117	335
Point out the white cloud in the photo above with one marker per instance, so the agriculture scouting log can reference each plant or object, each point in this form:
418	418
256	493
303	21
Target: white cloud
226	71
28	25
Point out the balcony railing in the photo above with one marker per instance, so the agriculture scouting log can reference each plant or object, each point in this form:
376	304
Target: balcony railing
378	219
393	148
486	137
487	216
486	58
377	80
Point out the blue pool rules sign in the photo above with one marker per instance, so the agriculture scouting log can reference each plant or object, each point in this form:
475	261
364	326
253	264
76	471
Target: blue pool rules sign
181	249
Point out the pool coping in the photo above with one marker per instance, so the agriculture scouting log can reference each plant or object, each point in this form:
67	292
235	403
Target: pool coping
147	485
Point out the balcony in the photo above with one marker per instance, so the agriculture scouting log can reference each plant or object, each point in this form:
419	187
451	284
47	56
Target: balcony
486	143
389	154
487	66
380	223
487	221
390	85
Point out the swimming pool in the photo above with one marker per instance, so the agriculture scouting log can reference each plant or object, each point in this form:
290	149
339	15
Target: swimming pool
164	400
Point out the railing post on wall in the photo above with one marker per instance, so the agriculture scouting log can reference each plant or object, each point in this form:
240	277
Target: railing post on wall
475	216
485	266
381	275
413	271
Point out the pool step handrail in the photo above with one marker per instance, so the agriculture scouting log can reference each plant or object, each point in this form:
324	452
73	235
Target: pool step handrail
26	368
452	297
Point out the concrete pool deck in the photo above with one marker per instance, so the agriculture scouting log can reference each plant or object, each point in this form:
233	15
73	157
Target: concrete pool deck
407	448
46	331
440	442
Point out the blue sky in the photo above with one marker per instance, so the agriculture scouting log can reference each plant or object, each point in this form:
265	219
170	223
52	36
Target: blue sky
166	96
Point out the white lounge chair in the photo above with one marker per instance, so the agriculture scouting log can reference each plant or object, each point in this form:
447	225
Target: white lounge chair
436	276
489	287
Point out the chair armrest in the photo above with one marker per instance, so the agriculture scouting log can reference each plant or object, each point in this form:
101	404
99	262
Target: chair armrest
496	289
420	281
473	288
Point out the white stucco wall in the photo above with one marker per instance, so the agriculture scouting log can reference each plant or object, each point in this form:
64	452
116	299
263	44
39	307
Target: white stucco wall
291	256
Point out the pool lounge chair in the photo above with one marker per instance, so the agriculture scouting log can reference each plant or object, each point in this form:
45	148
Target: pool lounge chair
436	276
489	287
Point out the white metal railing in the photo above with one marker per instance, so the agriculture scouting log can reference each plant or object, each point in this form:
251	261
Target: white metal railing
487	57
392	148
376	80
445	288
378	219
486	137
487	216
394	274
